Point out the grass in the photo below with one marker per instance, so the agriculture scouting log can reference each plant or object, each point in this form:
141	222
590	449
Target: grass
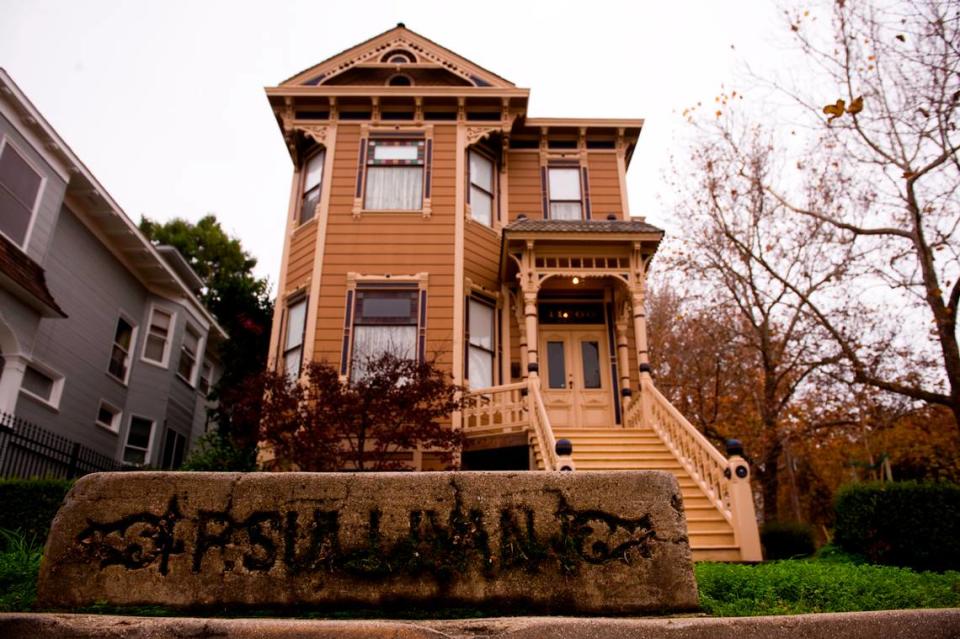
833	582
19	565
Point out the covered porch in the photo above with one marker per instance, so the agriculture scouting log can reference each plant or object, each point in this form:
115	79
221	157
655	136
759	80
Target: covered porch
577	326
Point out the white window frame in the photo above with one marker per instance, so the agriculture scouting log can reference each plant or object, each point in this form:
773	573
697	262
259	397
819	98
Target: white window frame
150	441
493	185
130	352
56	390
370	287
165	362
322	153
492	351
286	350
207	364
117	420
551	199
201	348
4	141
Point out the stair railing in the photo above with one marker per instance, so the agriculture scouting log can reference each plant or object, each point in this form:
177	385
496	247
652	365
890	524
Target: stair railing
704	463
541	428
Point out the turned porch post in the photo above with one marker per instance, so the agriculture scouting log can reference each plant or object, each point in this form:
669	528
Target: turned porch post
530	285
623	354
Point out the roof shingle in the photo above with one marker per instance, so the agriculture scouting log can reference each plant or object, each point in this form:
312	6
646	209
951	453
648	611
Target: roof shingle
582	226
26	275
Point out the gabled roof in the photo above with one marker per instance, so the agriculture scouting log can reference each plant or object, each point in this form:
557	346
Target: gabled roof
428	53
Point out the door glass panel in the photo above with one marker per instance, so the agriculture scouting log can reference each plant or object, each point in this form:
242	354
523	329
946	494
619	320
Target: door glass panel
556	366
590	352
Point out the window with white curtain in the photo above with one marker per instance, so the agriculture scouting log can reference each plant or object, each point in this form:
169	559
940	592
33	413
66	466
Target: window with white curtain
312	179
480	344
293	338
481	188
385	321
394	180
564	188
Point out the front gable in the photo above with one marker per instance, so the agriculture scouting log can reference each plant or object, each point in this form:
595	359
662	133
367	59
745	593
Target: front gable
398	52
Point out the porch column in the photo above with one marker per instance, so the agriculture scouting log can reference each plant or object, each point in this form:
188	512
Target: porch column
530	315
522	330
11	379
623	354
643	358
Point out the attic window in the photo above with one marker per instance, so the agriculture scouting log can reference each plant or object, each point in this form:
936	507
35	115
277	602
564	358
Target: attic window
398	56
399	80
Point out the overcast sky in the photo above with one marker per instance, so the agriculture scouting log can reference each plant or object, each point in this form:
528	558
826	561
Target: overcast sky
164	100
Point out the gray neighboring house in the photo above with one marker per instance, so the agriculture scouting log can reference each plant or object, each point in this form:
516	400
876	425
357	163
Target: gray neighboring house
103	339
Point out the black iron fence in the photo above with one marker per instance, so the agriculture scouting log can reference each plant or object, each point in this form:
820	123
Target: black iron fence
27	450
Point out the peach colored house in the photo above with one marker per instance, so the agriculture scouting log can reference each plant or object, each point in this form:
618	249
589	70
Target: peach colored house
429	213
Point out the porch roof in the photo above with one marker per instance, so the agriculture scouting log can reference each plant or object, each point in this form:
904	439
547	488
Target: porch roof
526	226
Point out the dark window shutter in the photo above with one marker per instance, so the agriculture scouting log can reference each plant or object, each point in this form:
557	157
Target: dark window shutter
422	329
543	192
586	192
347	328
427	170
361	165
466	337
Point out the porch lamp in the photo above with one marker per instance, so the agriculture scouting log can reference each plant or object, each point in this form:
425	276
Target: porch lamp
575	280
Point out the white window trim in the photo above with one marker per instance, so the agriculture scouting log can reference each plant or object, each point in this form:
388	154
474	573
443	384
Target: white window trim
131	354
4	141
118	418
495	321
206	360
197	357
56	392
293	301
150	443
494	220
165	363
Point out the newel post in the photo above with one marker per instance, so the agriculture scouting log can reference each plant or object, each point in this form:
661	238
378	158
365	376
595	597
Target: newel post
746	532
643	358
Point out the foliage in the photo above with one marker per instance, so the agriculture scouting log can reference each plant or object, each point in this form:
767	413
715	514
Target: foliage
29	506
325	424
239	300
805	586
19	565
787	540
220	452
901	523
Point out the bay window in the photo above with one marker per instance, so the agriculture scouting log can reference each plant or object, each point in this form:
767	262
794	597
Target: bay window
565	198
394	175
293	338
19	188
385	321
188	354
481	329
156	347
481	188
119	364
312	180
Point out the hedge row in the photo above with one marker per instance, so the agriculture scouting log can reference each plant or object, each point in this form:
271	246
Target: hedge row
901	524
29	505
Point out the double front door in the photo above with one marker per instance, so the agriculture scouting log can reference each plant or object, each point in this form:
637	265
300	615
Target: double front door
575	376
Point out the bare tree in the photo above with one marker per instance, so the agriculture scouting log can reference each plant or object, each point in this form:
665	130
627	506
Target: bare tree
885	169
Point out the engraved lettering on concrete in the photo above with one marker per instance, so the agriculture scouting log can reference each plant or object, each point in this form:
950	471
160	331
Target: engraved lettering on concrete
590	542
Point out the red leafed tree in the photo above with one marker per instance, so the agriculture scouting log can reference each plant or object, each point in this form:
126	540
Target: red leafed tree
325	424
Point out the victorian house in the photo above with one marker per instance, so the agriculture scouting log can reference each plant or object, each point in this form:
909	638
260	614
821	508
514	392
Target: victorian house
431	214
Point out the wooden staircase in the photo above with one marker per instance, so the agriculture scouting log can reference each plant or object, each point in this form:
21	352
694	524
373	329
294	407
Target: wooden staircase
711	535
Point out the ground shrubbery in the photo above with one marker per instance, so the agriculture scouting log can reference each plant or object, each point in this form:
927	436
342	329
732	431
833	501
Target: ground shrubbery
787	540
29	506
19	565
901	524
804	586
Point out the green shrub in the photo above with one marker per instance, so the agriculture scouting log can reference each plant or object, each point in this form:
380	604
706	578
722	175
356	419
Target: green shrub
216	452
807	586
787	540
901	524
29	506
19	566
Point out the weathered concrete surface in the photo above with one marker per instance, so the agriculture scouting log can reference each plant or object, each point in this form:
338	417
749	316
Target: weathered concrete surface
893	624
559	542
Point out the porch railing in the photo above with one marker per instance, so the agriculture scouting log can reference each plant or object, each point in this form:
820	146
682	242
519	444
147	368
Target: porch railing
696	454
499	409
512	408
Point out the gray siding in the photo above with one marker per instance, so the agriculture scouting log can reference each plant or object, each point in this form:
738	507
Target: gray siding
51	194
94	289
